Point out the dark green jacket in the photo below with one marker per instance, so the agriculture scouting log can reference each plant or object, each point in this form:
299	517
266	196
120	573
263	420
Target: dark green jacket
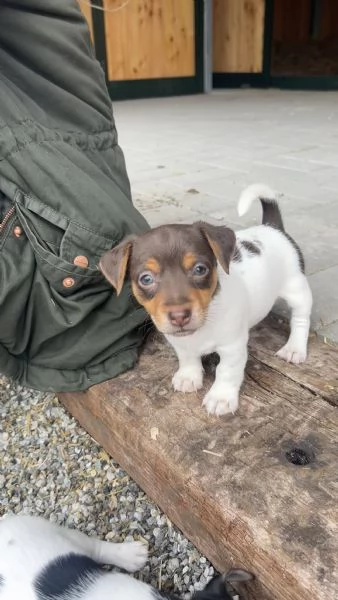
65	199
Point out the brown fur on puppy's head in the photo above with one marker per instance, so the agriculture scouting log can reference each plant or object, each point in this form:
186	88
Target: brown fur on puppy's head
173	271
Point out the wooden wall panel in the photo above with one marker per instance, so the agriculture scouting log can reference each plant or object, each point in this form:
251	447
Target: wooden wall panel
291	20
238	36
87	12
150	39
329	19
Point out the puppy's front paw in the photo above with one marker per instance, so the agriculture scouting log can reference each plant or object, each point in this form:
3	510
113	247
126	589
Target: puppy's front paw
221	401
292	354
133	555
188	379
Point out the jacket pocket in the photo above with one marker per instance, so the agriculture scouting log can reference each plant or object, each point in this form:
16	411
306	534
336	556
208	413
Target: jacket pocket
66	252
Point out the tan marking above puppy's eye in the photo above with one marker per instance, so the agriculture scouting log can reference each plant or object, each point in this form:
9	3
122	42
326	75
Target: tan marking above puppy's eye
188	261
202	297
153	265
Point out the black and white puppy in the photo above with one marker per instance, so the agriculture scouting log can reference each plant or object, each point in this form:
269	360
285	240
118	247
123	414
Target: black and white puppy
206	286
43	561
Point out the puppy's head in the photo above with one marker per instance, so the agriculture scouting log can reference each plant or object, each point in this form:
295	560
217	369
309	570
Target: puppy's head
173	272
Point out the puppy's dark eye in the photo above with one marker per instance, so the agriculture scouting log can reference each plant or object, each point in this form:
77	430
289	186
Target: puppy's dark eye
146	279
200	270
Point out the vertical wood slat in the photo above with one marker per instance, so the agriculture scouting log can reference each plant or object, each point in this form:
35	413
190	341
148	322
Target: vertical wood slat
148	39
291	22
329	19
238	36
87	12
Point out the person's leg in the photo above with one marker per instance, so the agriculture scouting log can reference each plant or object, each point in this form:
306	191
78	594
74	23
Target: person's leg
67	201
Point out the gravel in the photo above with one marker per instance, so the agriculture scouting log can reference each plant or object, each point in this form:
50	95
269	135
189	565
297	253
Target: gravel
49	466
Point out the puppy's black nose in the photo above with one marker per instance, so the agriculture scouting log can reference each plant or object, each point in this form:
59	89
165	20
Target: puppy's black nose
180	317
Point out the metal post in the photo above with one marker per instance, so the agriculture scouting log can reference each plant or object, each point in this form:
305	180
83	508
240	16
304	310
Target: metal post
207	50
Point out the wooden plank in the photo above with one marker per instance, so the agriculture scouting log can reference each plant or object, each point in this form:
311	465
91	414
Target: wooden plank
329	19
150	39
87	13
318	374
291	20
238	36
228	482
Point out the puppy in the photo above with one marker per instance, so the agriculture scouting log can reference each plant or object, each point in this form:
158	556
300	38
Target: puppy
205	286
43	561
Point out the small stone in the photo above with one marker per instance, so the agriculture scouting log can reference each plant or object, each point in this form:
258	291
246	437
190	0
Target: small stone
173	564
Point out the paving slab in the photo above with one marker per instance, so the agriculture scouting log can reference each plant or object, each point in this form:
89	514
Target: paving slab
188	158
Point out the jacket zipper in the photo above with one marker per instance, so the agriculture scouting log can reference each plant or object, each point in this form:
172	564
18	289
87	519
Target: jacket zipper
6	218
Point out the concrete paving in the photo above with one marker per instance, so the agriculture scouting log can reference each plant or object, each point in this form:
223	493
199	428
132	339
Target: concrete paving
189	158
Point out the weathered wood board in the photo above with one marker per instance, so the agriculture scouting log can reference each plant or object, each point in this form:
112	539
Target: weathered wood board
228	482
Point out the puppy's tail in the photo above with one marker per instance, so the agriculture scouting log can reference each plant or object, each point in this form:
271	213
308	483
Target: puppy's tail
268	197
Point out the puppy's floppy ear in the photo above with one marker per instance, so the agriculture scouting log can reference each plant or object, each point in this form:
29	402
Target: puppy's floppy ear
114	263
221	240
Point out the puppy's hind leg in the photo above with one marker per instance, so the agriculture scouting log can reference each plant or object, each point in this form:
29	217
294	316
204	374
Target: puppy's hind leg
299	298
130	556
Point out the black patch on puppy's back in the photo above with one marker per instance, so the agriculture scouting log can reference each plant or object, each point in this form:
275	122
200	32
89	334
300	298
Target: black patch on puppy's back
252	247
298	250
66	575
2	580
237	255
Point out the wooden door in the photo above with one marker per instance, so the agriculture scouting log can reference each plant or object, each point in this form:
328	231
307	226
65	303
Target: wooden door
238	40
87	12
150	47
305	39
150	39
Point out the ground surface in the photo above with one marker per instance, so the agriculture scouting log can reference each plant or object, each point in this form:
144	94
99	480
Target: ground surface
188	158
50	466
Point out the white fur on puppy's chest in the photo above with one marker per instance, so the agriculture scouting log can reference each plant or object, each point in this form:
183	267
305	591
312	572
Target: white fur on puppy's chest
200	343
226	317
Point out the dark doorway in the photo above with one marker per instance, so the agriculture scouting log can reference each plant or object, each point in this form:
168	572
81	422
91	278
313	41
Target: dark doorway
294	44
304	38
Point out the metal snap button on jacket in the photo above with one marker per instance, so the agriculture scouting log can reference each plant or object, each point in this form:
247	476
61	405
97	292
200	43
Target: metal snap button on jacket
81	261
68	282
17	231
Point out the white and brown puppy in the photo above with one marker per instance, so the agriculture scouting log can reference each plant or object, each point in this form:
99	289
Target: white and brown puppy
205	286
43	561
